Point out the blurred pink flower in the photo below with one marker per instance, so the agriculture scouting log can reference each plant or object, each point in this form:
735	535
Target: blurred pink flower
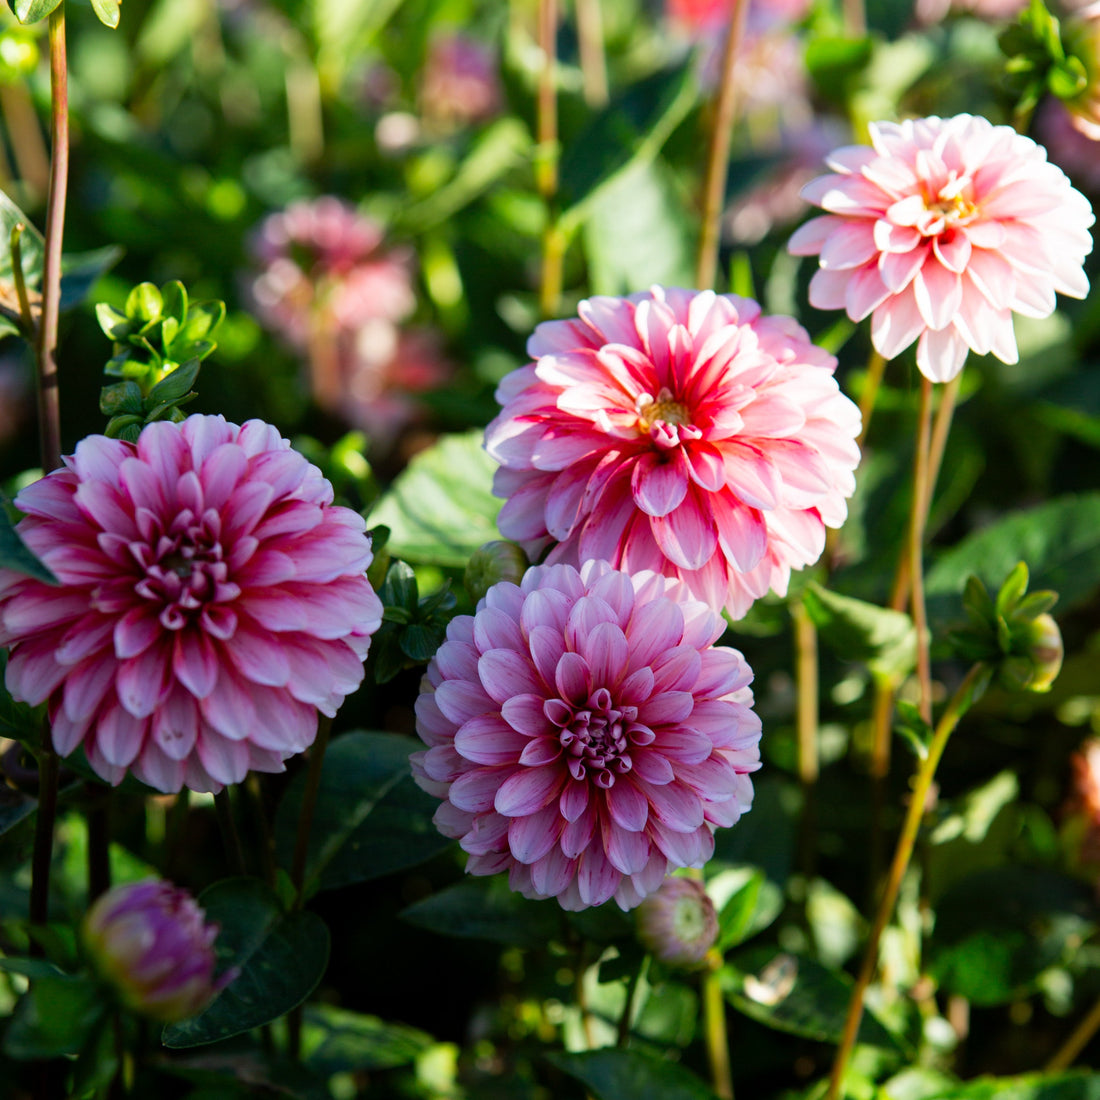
676	431
151	942
1068	146
459	85
1082	30
585	734
213	600
324	264
941	231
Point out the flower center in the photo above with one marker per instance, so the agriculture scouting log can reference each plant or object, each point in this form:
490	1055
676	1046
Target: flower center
184	566
597	738
950	206
666	409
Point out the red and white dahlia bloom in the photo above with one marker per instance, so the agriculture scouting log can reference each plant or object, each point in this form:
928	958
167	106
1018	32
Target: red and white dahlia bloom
681	432
212	600
940	231
585	734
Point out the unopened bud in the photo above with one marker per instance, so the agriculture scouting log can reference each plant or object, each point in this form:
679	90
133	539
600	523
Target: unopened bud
678	924
150	941
496	561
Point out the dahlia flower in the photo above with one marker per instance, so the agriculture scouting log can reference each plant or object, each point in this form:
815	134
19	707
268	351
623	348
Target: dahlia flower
940	231
678	924
213	600
680	432
585	734
150	941
459	85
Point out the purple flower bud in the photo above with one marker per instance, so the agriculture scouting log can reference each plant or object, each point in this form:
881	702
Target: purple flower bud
678	924
151	942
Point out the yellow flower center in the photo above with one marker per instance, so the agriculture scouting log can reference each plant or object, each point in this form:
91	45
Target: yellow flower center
665	408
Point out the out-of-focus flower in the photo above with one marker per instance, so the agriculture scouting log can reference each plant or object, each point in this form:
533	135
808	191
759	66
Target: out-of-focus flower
324	264
677	431
212	600
459	85
585	734
703	17
678	924
1038	666
495	561
1067	144
1083	33
151	942
940	231
1081	813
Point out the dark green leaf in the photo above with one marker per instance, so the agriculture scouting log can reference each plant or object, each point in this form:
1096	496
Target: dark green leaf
281	958
371	818
441	508
174	296
400	591
31	253
31	11
913	728
835	63
54	1017
750	908
637	1074
795	994
630	131
419	642
81	270
120	399
1034	1086
175	384
14	806
337	1041
1059	540
14	553
885	640
486	909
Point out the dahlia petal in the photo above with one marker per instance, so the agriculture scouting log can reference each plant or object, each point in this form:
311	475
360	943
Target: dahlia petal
489	739
551	874
119	736
526	791
687	535
896	324
851	244
628	807
175	726
85	688
676	807
223	760
573	678
941	355
228	708
652	768
140	681
597	878
659	484
938	294
195	662
628	852
751	475
476	790
532	837
606	650
573	800
504	673
67	733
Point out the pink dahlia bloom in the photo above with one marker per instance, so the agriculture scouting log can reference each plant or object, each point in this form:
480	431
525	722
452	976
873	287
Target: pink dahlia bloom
213	600
940	231
151	942
585	734
680	432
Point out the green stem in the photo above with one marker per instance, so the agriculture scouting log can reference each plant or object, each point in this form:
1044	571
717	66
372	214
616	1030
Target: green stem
227	824
593	62
876	368
806	723
903	853
49	420
546	163
627	1018
1067	1053
918	518
15	244
714	185
714	1029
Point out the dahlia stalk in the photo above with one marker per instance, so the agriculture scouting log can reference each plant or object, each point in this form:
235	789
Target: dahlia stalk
585	734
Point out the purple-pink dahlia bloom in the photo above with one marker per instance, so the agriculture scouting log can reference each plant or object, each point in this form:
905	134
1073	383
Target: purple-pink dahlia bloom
940	230
585	734
212	601
151	943
681	432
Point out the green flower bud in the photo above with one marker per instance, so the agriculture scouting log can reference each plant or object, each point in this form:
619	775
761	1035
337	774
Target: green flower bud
496	561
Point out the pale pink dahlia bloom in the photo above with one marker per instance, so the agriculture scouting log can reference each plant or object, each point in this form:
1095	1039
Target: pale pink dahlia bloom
585	734
212	600
940	231
677	431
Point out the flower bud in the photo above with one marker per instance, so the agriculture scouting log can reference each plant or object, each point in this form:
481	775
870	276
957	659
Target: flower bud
151	942
1037	667
678	924
499	560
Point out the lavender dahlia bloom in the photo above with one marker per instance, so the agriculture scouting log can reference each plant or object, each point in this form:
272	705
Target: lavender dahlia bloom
585	734
213	600
678	924
677	431
151	942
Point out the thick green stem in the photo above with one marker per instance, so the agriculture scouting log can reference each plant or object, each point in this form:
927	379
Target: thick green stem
918	518
718	156
593	62
903	853
716	1036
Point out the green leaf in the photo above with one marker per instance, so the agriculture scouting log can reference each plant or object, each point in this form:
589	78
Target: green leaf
31	11
14	807
54	1017
638	233
1013	589
885	640
997	930
638	1074
371	818
752	907
175	385
441	508
912	727
281	958
120	399
486	909
834	63
1059	540
630	131
1033	1086
144	303
337	1041
795	994
31	252
15	554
